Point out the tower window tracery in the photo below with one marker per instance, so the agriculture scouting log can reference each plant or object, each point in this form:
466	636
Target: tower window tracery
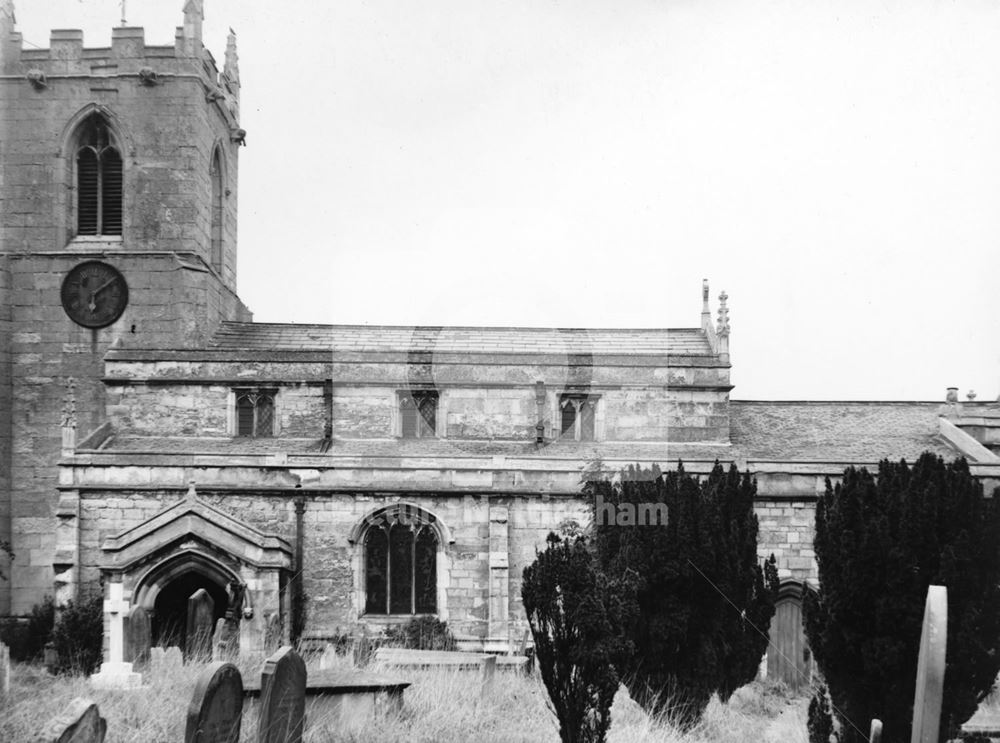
98	180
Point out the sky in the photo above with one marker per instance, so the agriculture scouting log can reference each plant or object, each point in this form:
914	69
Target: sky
833	166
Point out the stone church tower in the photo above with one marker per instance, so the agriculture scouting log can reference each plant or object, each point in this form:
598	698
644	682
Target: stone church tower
118	173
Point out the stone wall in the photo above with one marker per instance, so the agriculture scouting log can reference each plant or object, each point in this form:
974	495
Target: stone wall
196	410
363	412
207	410
6	422
786	530
332	565
487	413
490	413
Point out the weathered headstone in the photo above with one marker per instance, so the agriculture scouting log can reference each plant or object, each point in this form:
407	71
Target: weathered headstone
216	708
876	732
930	667
139	637
283	698
489	670
328	658
200	624
4	671
80	722
523	648
165	663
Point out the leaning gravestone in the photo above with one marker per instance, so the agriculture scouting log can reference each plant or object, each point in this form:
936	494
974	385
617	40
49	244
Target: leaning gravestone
80	722
200	624
930	667
282	698
216	708
140	637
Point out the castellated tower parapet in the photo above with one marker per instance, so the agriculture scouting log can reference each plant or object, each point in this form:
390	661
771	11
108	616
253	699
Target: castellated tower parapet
127	57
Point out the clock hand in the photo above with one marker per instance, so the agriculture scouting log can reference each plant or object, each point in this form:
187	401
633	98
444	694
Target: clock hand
92	304
104	286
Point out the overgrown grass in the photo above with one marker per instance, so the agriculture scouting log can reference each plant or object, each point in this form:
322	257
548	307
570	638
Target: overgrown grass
440	707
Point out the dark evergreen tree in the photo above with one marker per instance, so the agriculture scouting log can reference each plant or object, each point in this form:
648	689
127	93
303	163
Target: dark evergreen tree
703	601
819	721
880	542
576	619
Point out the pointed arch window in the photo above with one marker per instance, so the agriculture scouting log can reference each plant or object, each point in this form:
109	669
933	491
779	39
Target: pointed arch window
400	564
255	413
215	172
578	415
98	180
417	414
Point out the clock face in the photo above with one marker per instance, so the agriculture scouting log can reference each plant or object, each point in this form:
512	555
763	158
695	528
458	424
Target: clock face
94	294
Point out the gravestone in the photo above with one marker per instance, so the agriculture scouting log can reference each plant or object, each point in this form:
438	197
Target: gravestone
116	672
139	636
283	698
524	642
200	623
876	732
80	722
329	658
167	660
930	667
4	671
216	708
489	672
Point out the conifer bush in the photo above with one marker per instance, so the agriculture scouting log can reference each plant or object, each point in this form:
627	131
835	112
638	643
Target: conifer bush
421	633
78	635
577	622
703	601
880	542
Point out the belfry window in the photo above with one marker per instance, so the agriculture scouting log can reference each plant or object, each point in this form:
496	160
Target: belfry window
255	413
400	565
98	180
417	414
577	414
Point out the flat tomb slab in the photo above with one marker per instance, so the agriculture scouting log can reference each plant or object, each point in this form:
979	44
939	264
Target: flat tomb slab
343	700
340	682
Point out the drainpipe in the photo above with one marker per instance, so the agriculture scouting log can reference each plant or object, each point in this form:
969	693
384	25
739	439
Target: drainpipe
298	591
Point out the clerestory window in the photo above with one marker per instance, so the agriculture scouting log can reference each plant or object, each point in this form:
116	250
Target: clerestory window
255	413
577	414
98	180
417	414
400	566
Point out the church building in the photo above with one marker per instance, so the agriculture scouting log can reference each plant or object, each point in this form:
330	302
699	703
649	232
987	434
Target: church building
155	441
